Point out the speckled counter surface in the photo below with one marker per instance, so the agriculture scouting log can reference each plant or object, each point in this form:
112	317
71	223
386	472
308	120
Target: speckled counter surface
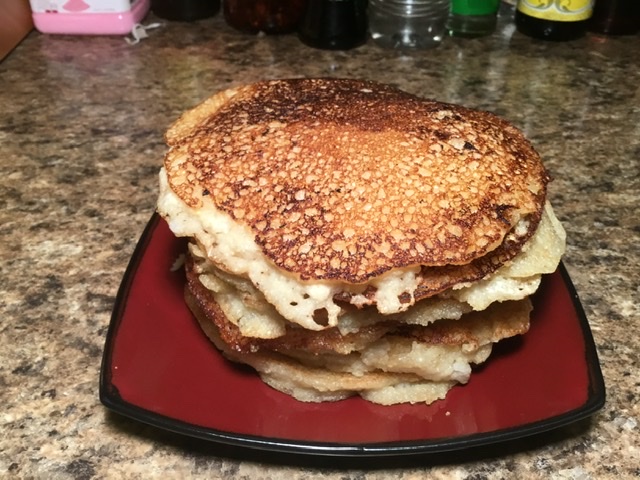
81	124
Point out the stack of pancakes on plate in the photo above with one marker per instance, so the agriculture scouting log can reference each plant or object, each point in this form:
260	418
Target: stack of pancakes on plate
350	238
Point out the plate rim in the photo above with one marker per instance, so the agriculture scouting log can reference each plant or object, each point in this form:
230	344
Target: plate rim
110	397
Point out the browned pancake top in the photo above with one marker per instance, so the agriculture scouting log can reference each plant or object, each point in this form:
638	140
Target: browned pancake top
346	179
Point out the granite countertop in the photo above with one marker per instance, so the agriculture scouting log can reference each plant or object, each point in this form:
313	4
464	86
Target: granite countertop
81	125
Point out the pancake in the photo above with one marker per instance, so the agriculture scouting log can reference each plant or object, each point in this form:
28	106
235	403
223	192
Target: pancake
381	199
396	364
257	320
348	238
344	179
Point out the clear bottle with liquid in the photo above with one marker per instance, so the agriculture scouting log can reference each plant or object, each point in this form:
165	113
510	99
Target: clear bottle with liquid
408	24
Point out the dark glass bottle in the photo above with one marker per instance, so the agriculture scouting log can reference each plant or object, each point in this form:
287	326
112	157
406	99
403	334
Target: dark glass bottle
185	10
616	17
334	24
552	19
268	16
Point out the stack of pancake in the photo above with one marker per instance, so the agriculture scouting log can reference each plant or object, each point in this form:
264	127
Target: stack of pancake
348	238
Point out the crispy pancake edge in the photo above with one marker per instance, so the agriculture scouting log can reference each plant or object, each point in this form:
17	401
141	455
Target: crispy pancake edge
449	332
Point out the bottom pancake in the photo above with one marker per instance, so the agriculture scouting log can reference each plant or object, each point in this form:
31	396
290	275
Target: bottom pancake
408	363
315	384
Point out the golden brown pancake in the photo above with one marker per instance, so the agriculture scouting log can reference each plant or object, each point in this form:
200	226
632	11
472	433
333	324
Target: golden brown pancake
347	179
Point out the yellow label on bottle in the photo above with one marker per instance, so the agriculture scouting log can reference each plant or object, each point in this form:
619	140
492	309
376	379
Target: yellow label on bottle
559	10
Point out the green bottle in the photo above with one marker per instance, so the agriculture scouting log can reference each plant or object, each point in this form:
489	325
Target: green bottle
472	18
